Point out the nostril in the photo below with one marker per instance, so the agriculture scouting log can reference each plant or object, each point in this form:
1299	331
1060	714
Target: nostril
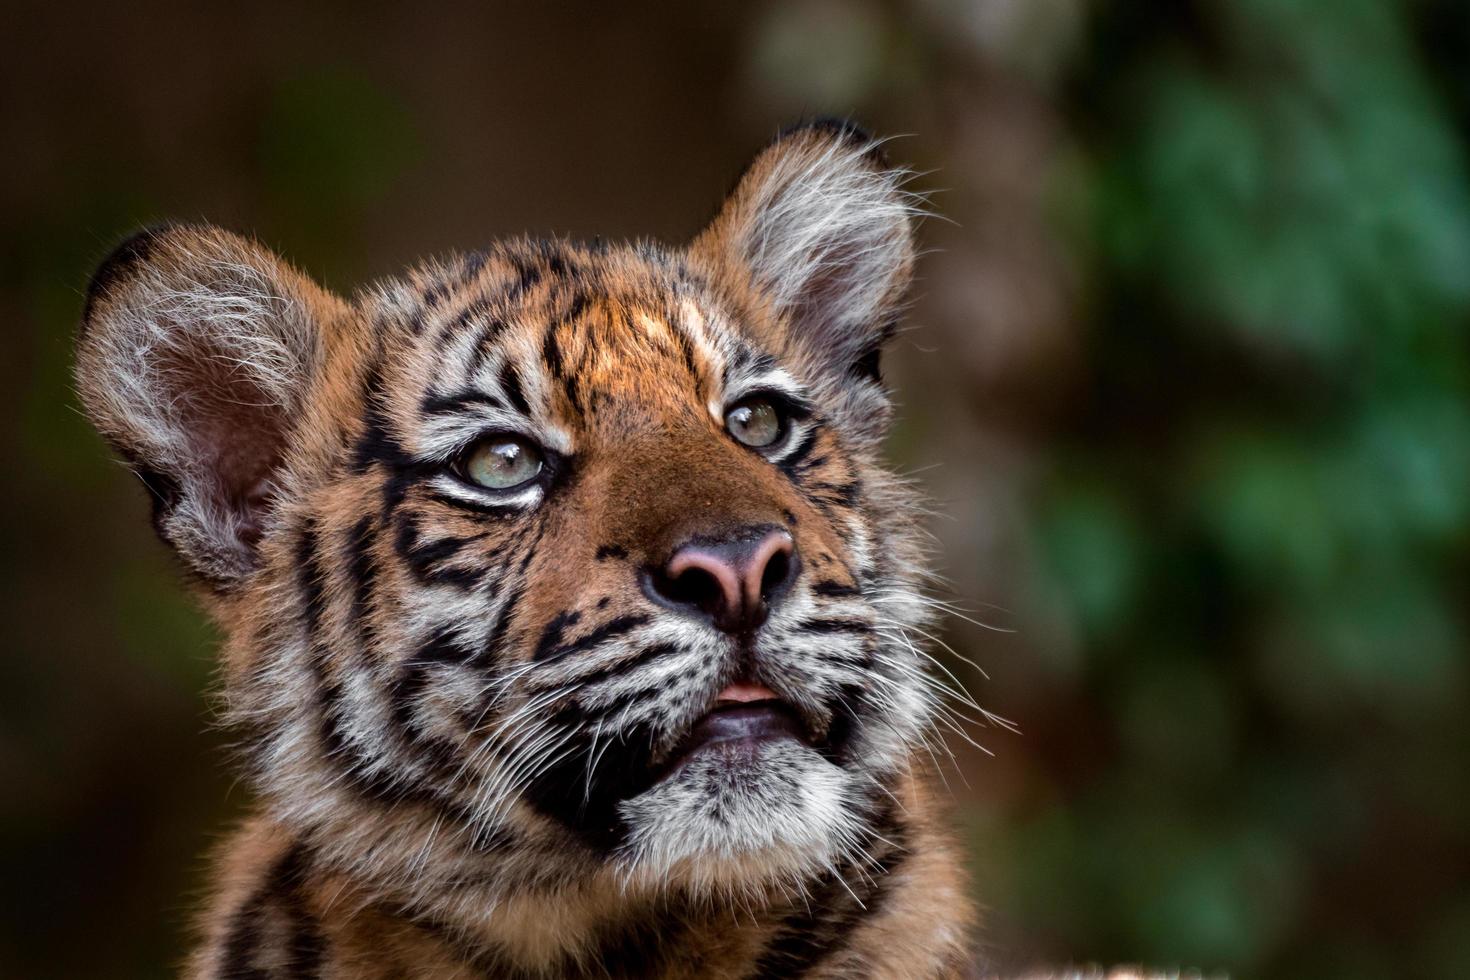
778	569
692	586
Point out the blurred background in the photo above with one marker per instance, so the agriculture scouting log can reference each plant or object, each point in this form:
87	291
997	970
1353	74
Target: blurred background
1189	380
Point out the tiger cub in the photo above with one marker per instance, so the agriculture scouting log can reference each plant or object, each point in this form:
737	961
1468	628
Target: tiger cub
571	618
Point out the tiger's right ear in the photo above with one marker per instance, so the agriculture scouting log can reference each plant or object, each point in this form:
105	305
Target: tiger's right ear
196	350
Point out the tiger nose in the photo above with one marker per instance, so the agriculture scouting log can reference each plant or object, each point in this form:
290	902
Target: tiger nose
732	580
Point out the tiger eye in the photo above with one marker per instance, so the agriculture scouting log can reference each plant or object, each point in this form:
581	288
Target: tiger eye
754	422
502	463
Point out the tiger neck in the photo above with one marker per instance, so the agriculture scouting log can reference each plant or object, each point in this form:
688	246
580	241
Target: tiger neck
523	909
598	928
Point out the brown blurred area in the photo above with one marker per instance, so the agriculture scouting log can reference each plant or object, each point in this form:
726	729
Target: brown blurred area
1177	796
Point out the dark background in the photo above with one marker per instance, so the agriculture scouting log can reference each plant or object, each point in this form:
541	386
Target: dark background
1188	381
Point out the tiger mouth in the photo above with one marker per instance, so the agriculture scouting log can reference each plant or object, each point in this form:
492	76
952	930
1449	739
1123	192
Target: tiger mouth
737	730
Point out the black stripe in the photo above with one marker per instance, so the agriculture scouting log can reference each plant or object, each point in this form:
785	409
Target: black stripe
456	404
485	344
793	459
552	634
557	261
610	671
376	444
610	630
476	311
362	568
444	646
473	262
846	494
427	559
531	549
550	351
328	692
279	892
436	294
510	383
416	321
835	590
237	957
527	276
434	752
571	380
525	281
306	947
686	347
310	582
834	626
833	911
495	647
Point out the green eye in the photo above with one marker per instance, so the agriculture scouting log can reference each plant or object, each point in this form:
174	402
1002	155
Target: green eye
755	422
502	462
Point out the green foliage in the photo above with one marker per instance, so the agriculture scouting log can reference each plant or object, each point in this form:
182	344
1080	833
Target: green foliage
1279	215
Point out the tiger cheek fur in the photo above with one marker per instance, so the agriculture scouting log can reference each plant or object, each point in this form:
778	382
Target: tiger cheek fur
656	709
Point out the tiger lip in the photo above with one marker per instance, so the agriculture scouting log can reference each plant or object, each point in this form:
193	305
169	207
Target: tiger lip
742	717
748	722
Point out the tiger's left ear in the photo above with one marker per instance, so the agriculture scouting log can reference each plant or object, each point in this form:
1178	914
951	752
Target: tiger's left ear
823	227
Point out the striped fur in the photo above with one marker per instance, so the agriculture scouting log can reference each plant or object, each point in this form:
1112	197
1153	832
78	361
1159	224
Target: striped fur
458	707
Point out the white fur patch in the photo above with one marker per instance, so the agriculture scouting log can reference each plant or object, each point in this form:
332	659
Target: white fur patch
720	824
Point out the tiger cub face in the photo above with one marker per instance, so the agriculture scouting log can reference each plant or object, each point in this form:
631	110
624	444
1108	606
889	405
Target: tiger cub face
577	550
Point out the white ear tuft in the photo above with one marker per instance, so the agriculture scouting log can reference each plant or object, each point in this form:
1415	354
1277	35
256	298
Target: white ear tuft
195	352
824	229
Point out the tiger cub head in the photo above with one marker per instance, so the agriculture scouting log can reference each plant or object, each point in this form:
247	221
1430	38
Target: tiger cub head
579	550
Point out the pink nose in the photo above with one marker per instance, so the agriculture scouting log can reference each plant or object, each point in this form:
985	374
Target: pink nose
732	580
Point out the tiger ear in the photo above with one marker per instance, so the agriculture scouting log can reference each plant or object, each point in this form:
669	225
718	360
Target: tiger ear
196	349
823	227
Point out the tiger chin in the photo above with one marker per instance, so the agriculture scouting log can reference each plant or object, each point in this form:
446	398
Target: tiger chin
572	620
